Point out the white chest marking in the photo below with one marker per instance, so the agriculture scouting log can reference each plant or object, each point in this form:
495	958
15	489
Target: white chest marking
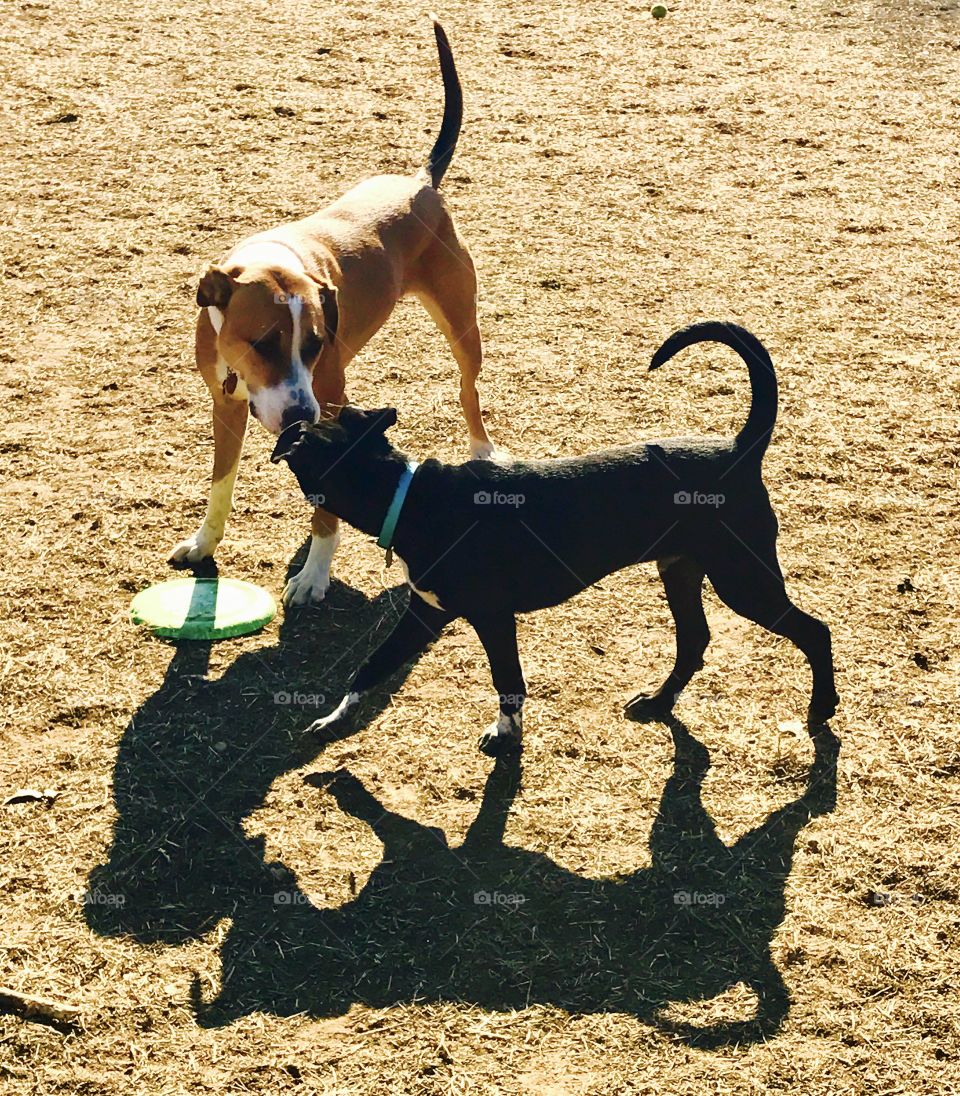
428	596
216	318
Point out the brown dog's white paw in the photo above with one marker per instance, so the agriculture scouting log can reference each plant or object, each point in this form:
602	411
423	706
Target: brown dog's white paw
481	450
200	546
309	585
486	450
306	588
503	738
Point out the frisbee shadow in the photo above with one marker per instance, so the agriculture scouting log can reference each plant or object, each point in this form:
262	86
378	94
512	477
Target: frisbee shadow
504	927
200	754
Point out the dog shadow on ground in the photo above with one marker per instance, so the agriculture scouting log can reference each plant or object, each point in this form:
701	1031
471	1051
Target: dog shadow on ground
200	755
483	922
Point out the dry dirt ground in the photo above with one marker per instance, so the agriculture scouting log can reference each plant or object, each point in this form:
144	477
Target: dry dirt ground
225	918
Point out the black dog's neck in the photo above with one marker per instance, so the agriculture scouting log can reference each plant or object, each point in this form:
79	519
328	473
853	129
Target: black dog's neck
362	500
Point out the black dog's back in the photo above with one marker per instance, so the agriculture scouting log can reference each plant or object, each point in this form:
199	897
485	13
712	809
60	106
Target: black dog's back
486	541
531	534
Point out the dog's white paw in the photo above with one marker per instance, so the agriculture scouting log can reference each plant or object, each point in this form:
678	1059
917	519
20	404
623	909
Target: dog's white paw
496	454
321	726
504	737
309	585
200	546
306	587
486	450
481	450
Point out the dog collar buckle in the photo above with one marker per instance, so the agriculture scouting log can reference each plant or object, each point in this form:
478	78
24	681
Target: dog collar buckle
392	516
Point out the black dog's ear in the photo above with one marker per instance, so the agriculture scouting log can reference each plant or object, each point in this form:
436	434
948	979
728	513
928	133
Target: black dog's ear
351	417
358	421
384	419
288	441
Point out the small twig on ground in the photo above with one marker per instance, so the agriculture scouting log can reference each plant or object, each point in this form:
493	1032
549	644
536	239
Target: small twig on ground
40	1008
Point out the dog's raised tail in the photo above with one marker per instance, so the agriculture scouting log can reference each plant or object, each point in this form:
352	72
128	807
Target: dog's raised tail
442	152
756	432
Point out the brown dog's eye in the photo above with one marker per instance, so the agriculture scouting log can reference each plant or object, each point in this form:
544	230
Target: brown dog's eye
312	345
267	344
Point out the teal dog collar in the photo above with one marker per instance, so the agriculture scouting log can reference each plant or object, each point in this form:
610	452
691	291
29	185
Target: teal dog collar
389	527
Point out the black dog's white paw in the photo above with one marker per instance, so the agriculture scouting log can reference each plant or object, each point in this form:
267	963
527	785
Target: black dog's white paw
323	727
503	738
646	706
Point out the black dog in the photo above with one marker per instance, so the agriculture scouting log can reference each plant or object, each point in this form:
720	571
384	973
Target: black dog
485	541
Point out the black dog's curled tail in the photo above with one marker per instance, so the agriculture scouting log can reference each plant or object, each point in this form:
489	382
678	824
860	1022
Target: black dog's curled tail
756	432
442	152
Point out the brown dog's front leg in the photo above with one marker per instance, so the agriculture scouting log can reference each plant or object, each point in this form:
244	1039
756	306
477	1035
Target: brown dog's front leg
310	584
229	428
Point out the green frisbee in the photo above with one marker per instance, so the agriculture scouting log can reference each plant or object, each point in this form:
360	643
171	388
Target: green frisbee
203	608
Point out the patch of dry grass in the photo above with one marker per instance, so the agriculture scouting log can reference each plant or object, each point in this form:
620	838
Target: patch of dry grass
230	920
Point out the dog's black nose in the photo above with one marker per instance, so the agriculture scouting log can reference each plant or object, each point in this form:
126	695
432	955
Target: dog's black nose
295	414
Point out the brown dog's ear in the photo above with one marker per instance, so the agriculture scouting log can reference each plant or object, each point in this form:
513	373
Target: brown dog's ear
215	288
331	311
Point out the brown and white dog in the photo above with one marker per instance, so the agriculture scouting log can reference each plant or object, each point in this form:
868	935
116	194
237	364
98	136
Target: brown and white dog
284	312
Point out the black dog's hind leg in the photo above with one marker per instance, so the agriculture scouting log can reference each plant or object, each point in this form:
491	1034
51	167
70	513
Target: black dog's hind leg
683	585
414	632
749	580
498	634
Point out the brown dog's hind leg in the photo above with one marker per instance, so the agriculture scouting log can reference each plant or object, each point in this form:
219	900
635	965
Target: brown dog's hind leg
749	581
683	584
446	283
